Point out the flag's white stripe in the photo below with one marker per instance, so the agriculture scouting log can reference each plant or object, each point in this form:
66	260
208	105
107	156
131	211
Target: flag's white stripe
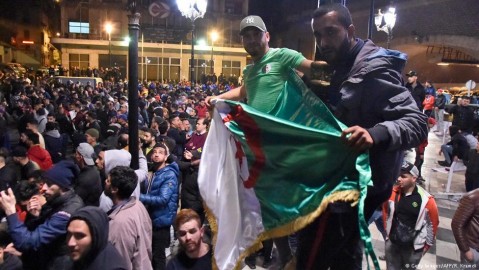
236	209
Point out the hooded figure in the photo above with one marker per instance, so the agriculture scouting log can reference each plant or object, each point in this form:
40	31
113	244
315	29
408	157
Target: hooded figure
98	253
114	158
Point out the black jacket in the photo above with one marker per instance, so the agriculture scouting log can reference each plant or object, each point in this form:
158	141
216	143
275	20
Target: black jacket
440	102
42	243
102	254
418	93
88	185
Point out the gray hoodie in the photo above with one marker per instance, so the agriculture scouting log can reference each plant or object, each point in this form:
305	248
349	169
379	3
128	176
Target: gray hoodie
114	158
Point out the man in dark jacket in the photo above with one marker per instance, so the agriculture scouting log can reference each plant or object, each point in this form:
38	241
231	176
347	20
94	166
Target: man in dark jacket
42	243
366	93
416	88
457	148
439	106
88	183
87	241
463	115
53	142
160	196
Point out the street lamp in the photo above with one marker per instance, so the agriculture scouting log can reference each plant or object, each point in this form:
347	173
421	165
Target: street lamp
385	22
109	29
214	37
192	9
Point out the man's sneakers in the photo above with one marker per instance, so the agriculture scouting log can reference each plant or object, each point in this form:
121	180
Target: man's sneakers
382	257
443	163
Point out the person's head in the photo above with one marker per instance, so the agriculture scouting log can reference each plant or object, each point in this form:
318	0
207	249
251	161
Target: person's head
19	154
202	125
440	91
149	136
84	155
59	179
429	84
189	230
124	108
51	117
255	36
91	117
32	125
411	77
122	141
92	136
334	32
36	177
408	175
175	121
100	160
24	191
120	183
159	155
186	124
87	234
122	119
32	138
466	100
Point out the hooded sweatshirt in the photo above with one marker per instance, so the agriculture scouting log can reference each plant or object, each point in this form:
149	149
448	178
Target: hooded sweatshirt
114	158
102	255
54	144
40	156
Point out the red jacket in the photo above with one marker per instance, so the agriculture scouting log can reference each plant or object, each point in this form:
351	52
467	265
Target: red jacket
428	103
40	156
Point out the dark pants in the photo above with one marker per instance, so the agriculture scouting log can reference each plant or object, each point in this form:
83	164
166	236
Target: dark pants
472	181
161	240
332	241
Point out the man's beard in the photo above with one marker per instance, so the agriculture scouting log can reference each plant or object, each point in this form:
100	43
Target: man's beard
51	197
338	55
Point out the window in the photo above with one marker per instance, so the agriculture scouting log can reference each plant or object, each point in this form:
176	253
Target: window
159	69
231	68
81	61
79	27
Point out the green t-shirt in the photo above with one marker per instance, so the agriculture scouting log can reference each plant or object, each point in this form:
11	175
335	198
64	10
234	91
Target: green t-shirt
264	80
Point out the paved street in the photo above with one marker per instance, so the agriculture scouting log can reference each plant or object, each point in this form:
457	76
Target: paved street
444	254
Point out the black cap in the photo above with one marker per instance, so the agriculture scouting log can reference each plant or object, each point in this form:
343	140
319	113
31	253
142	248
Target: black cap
411	73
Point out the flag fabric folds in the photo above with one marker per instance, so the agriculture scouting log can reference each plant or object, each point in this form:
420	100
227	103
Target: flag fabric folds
269	175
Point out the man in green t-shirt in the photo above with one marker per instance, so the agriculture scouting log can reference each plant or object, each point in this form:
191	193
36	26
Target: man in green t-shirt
264	79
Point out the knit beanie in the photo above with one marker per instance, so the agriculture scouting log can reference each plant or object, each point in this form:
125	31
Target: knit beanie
93	132
62	174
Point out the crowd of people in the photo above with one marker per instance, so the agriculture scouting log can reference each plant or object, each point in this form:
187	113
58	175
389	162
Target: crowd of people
70	199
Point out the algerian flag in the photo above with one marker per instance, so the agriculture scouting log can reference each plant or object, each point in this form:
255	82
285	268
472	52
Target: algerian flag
269	175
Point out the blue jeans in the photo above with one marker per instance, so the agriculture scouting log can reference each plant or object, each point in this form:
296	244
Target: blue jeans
447	152
377	218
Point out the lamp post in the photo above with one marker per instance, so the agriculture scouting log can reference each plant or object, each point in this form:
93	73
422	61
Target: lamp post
133	30
214	37
192	9
109	29
385	22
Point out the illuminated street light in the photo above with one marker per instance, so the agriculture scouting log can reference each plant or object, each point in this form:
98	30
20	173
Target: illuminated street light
385	22
109	29
192	9
214	37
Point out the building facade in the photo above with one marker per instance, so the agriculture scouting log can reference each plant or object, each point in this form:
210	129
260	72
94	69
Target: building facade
164	46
